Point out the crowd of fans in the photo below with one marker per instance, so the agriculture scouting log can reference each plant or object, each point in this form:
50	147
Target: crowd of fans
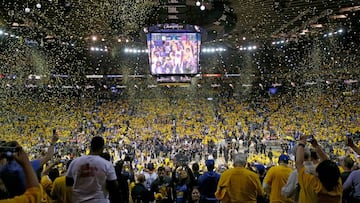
172	149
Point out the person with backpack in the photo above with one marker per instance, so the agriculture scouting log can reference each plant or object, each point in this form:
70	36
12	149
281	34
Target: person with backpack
208	183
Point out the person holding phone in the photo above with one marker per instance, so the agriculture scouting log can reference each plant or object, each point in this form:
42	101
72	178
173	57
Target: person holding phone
351	144
32	192
13	175
326	185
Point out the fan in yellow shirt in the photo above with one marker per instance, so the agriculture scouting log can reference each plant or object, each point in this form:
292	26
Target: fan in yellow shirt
31	195
60	192
276	178
46	184
239	184
326	186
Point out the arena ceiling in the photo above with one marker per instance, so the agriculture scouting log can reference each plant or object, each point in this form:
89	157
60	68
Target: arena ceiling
266	19
229	19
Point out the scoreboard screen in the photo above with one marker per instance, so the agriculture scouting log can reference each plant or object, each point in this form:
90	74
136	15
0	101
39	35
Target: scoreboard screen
174	53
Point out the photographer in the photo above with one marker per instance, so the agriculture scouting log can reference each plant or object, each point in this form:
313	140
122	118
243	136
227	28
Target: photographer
32	193
326	185
12	173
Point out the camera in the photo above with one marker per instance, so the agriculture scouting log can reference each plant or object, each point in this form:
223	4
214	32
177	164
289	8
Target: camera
8	148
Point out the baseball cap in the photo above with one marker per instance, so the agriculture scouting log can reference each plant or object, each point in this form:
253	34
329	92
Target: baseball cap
260	168
210	162
284	158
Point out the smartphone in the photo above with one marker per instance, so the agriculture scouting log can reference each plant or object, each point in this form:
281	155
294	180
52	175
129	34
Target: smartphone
310	138
55	150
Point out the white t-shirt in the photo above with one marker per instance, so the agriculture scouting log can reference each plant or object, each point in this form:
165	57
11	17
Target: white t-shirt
149	179
90	173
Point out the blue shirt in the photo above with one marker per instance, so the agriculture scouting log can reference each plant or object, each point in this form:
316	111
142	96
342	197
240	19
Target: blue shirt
208	184
13	176
180	193
353	182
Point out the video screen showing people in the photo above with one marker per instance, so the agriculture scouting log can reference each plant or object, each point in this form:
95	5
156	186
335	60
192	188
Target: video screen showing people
174	53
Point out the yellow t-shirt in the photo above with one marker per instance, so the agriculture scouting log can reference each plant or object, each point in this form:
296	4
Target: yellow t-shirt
239	185
60	192
46	184
311	190
276	178
31	195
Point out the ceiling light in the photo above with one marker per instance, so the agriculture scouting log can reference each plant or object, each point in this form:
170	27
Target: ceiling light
317	26
350	9
1	32
202	7
27	10
305	31
38	5
342	16
94	38
198	3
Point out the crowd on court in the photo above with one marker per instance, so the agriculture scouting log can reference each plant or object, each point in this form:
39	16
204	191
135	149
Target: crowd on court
180	150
